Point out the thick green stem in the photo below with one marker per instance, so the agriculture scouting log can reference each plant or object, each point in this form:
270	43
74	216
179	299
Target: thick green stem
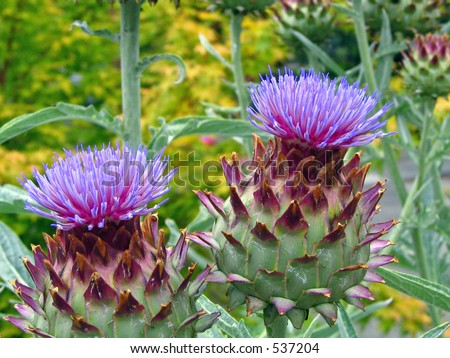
369	73
438	190
236	56
277	328
419	246
131	84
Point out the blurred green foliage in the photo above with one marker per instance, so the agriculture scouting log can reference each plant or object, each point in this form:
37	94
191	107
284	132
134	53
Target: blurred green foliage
43	61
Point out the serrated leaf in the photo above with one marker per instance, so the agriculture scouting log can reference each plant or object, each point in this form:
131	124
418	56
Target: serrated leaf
212	332
177	128
436	331
150	60
226	323
11	250
430	292
212	51
106	34
12	199
320	54
354	316
60	112
344	323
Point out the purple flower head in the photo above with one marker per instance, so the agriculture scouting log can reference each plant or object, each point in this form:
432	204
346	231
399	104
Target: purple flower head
314	110
89	187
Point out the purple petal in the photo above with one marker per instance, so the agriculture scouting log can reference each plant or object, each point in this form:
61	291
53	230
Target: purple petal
380	260
359	291
319	291
217	276
88	187
328	311
231	172
372	276
204	239
212	203
282	305
196	286
233	277
378	245
315	110
24	310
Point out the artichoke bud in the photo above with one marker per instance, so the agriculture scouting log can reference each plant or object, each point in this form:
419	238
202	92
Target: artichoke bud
296	230
426	65
104	273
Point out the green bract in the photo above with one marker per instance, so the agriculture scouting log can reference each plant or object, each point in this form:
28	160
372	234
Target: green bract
117	281
406	15
426	65
296	232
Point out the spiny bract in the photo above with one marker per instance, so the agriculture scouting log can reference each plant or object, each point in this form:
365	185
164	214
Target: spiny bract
102	275
295	232
426	65
117	281
296	237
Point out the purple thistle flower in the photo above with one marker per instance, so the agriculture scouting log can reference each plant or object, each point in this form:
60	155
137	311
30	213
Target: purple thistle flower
314	110
89	187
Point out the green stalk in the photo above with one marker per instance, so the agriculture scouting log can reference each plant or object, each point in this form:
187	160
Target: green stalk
131	84
277	328
236	57
369	73
416	203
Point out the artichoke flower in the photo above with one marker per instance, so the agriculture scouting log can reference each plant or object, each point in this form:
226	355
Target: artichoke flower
296	231
104	273
426	65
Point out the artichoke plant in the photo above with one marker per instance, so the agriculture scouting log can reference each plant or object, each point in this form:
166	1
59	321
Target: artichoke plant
313	18
296	231
406	15
104	273
426	65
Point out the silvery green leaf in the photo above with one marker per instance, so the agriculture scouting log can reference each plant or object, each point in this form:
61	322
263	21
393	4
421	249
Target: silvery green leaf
430	292
319	53
147	61
344	323
436	331
174	232
202	222
60	112
226	323
12	199
11	250
213	52
312	326
168	132
354	316
106	34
